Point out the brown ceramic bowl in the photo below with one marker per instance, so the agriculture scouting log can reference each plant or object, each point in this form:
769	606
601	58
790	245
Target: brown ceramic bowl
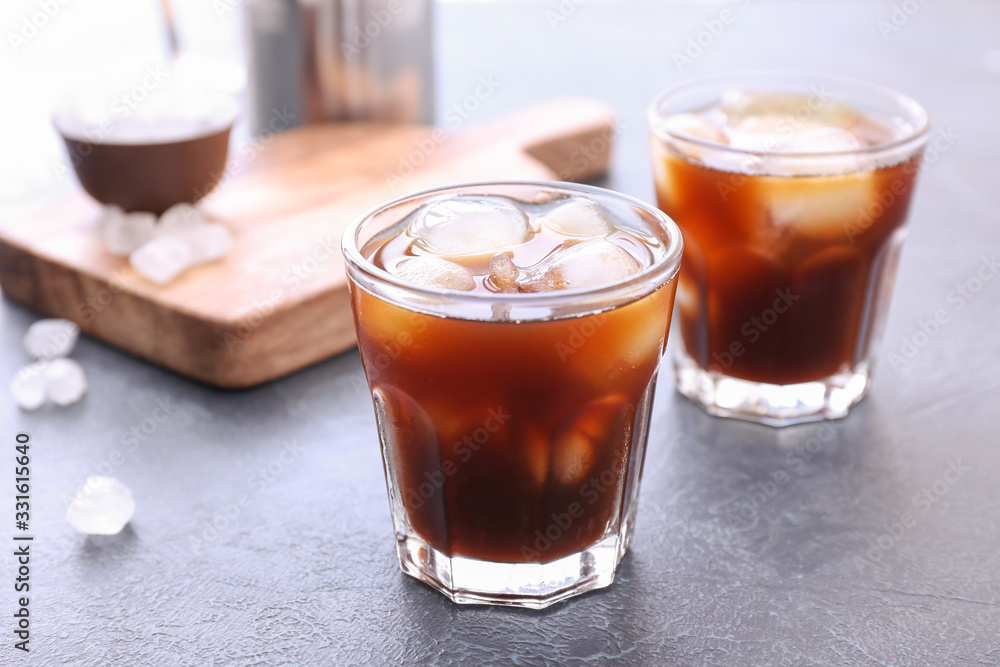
137	174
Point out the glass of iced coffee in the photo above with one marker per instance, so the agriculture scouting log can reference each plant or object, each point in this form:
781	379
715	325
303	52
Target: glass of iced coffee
792	191
511	335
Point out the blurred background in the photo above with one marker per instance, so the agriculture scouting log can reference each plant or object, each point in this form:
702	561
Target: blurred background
53	47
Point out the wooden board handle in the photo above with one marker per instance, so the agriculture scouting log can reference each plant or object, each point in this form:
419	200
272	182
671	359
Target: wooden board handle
571	136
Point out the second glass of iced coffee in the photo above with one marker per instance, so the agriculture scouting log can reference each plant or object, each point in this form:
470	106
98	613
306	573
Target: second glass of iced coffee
792	192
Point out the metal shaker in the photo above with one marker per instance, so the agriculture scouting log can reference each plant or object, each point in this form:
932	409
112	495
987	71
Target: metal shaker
316	60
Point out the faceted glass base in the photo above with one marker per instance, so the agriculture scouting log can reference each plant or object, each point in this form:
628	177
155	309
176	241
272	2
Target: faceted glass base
770	404
531	585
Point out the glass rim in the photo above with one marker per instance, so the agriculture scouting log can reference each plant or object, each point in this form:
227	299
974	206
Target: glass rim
667	265
919	135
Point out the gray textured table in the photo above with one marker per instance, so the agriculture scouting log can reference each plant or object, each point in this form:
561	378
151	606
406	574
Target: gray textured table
262	534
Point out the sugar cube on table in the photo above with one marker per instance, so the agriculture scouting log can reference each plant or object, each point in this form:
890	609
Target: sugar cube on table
66	383
51	338
28	386
102	507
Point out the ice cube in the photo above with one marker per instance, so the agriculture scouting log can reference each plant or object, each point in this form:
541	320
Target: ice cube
772	124
435	272
737	103
796	111
65	381
51	338
101	507
813	140
695	126
686	125
469	226
179	217
821	140
503	273
124	232
162	259
832	146
206	242
577	216
793	154
578	264
600	427
573	457
821	206
28	386
688	298
534	447
792	124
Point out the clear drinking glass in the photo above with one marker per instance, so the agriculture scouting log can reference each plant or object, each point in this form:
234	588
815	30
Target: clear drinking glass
512	425
792	235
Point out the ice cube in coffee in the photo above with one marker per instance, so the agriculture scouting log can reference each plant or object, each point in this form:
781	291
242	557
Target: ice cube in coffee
792	193
511	335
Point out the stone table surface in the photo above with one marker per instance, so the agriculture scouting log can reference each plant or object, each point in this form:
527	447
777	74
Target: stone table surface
262	536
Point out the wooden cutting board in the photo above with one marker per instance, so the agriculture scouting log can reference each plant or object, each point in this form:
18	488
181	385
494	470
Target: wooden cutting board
278	302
